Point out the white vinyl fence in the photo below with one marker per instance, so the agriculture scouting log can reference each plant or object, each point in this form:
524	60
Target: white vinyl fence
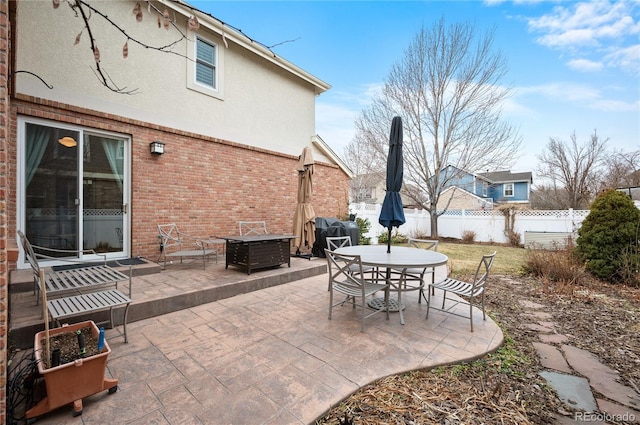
488	226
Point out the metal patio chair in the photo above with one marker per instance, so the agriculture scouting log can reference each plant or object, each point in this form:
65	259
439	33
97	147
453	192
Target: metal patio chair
248	228
469	290
335	242
414	279
174	243
344	280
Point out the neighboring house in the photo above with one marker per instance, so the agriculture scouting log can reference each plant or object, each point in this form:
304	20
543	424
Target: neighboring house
371	189
633	192
455	198
232	117
367	188
484	190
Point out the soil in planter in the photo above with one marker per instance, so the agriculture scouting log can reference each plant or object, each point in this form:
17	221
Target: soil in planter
67	343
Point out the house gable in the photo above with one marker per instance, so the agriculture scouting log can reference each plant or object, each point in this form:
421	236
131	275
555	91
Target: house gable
456	198
499	186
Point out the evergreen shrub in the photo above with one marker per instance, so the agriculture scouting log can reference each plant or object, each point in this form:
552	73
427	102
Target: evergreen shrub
608	234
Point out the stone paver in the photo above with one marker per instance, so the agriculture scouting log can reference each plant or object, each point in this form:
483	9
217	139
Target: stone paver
553	338
551	357
539	315
531	304
538	327
574	391
619	413
603	379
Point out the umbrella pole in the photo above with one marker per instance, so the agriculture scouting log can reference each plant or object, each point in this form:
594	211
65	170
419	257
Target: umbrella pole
389	242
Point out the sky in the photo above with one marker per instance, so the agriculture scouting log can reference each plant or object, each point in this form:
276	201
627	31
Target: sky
573	66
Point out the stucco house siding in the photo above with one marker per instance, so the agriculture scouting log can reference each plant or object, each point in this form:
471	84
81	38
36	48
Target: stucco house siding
254	100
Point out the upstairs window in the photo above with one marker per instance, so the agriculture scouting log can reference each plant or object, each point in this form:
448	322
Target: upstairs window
206	63
508	190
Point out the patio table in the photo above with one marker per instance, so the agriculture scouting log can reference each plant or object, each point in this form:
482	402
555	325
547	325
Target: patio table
400	258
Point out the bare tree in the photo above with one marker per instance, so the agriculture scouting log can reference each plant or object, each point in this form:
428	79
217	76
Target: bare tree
86	11
364	159
622	170
446	89
548	197
574	168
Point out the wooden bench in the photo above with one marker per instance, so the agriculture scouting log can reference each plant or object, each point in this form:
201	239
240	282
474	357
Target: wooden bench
174	243
79	290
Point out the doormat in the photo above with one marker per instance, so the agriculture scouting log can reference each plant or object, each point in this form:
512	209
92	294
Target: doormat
133	261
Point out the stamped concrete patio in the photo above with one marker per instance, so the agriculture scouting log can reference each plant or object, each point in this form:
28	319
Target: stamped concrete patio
267	355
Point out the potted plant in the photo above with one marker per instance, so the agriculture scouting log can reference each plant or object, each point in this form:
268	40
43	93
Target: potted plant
72	381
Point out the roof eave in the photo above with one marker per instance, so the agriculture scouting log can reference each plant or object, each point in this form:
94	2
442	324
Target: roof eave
325	149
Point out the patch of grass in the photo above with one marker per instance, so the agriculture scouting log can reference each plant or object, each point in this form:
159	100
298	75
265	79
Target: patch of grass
464	258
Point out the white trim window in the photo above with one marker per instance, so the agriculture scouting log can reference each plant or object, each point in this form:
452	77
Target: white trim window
206	68
508	190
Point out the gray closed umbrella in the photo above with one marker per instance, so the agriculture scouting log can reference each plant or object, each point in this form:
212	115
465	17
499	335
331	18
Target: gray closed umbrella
392	213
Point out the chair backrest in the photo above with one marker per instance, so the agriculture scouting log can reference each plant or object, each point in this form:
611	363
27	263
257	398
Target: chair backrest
29	254
335	242
252	228
422	243
345	270
482	272
169	236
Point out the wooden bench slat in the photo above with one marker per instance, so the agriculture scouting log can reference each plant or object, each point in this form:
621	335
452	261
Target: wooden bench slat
76	305
79	304
79	280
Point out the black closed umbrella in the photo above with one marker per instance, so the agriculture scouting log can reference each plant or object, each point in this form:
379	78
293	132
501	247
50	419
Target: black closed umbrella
392	213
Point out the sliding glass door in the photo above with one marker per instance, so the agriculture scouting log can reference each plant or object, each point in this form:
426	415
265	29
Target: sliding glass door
74	185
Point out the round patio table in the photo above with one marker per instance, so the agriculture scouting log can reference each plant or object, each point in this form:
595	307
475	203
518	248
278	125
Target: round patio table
400	258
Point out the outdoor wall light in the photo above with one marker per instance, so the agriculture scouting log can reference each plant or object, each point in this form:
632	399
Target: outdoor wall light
157	148
68	142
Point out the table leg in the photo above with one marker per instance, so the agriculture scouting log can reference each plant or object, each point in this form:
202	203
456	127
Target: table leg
402	278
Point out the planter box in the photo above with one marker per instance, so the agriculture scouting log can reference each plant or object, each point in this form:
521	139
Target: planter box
71	382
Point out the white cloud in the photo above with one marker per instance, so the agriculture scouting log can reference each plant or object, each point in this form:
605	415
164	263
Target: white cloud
580	95
583	28
337	111
584	65
610	105
627	58
563	91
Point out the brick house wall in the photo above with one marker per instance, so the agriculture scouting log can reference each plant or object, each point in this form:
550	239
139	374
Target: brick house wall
203	184
4	269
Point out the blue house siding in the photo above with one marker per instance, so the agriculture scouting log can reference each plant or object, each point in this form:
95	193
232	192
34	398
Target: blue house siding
491	185
463	180
520	192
